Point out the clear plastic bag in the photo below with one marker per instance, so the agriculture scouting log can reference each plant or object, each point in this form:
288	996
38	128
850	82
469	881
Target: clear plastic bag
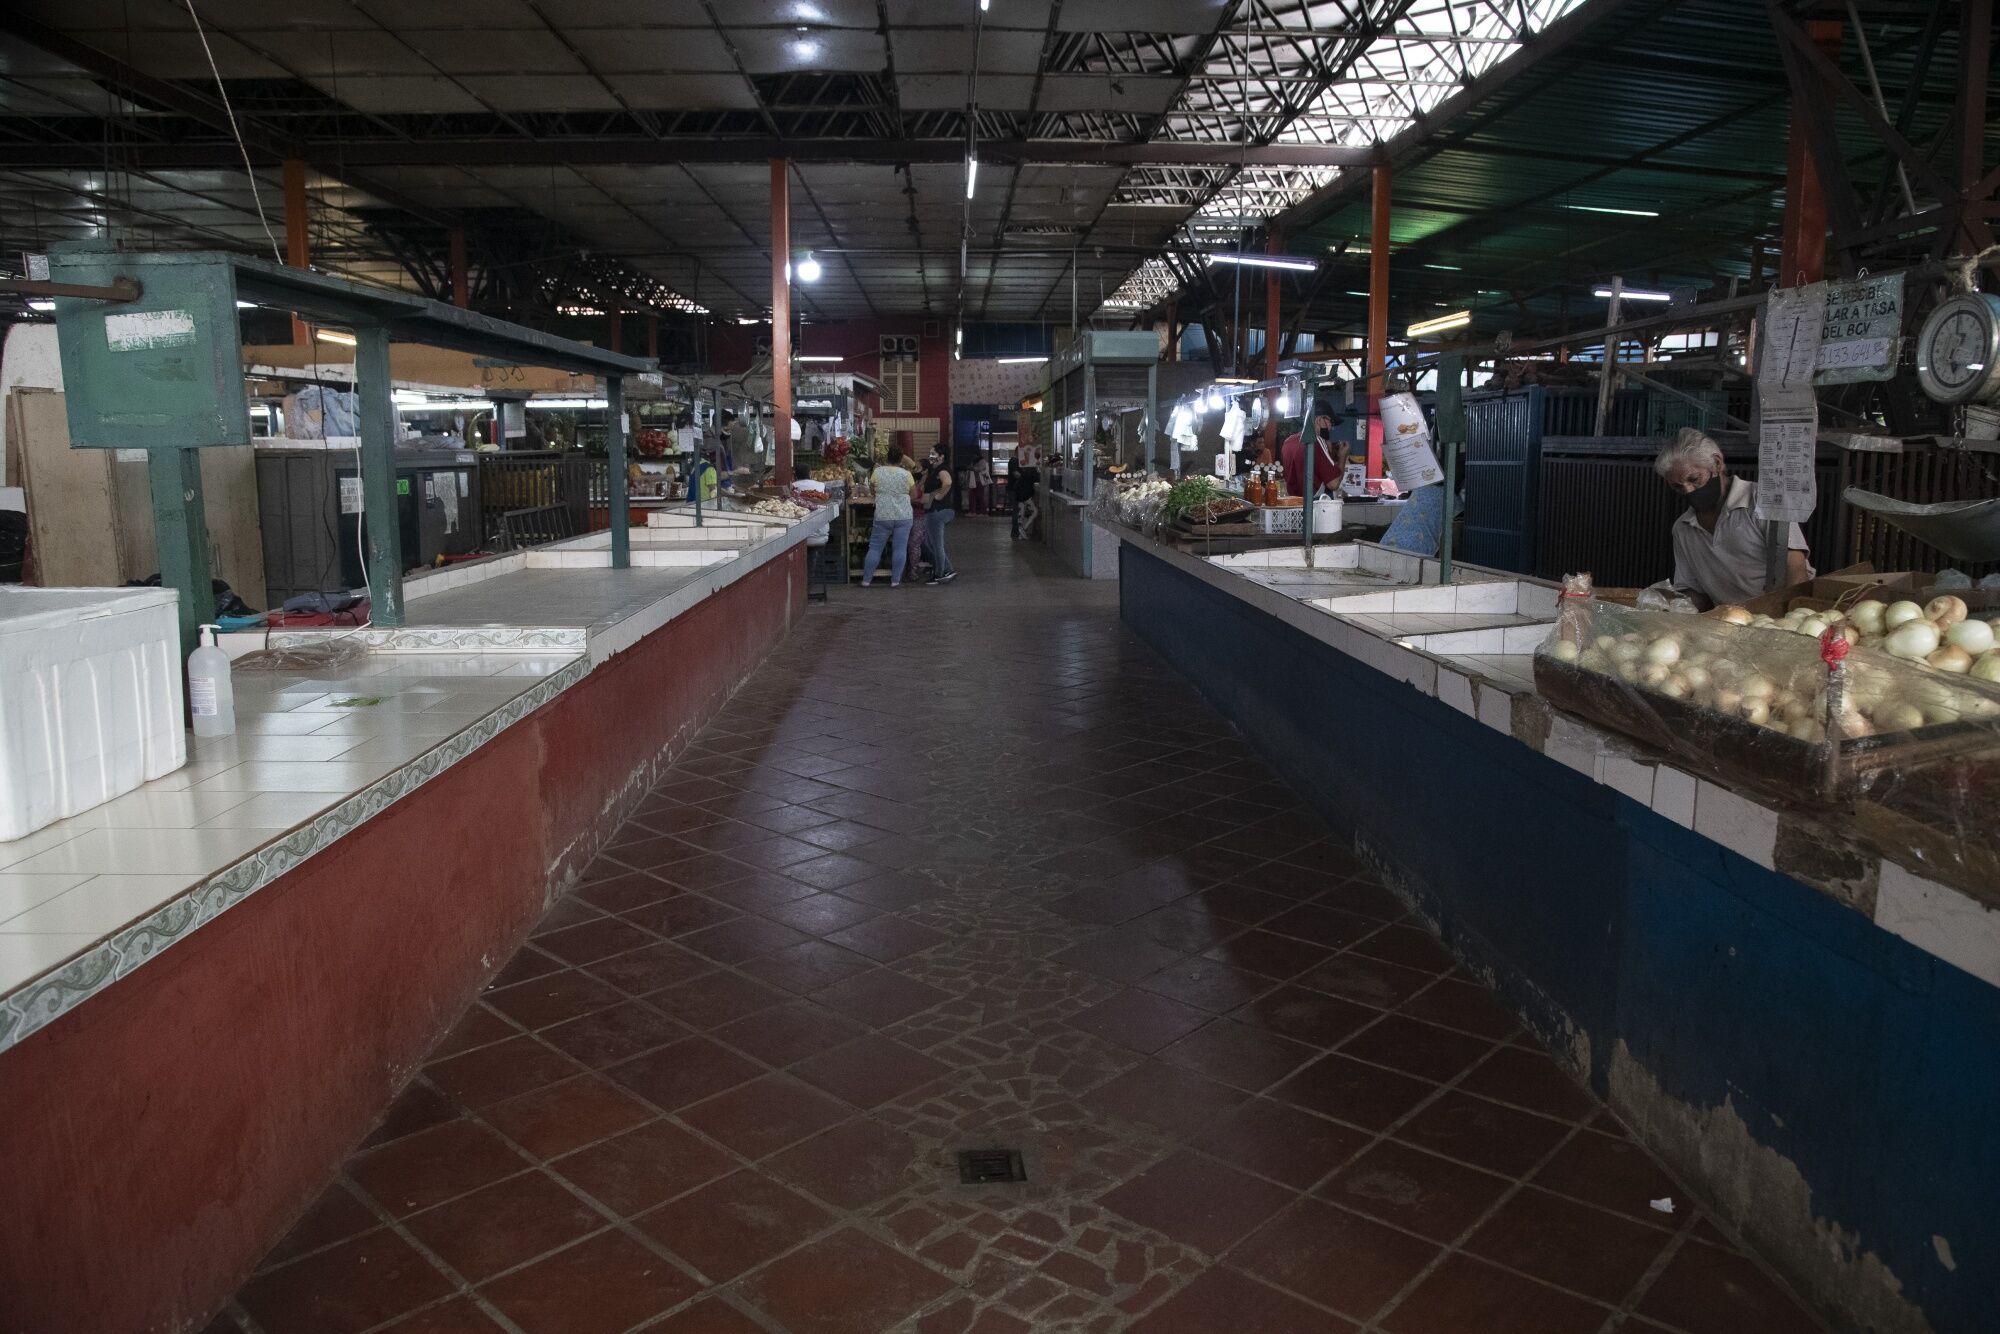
1907	751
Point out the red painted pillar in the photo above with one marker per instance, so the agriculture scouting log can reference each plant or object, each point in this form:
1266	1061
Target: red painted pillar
1378	307
298	249
616	319
781	315
1802	233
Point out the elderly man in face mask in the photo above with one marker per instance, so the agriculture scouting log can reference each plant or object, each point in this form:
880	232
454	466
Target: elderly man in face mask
1719	541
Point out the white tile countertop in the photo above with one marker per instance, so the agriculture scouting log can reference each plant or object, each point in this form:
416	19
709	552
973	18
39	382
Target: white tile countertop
1396	631
88	899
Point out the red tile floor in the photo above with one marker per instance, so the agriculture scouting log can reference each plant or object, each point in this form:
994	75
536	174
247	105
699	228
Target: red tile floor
969	867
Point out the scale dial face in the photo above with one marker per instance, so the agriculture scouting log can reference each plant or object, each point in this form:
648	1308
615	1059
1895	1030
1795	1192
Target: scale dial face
1958	352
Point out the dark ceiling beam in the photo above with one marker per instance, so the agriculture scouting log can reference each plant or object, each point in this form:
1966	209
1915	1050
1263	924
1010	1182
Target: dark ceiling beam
260	140
588	151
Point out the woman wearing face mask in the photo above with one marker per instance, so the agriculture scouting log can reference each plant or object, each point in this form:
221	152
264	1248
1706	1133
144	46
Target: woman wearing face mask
1719	541
1327	468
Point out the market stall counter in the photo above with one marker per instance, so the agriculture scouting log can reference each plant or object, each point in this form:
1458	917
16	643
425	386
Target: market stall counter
212	987
1795	1008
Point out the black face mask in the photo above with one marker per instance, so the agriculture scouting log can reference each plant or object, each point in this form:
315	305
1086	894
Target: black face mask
1325	434
1707	497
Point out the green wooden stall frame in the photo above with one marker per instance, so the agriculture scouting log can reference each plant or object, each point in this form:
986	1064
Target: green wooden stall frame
163	372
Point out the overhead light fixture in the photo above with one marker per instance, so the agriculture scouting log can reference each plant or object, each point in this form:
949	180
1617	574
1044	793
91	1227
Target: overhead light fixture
1292	262
820	358
1447	268
971	173
809	269
335	336
983	5
1633	294
745	319
43	306
1214	398
1458	319
1284	403
1622	212
1021	361
246	305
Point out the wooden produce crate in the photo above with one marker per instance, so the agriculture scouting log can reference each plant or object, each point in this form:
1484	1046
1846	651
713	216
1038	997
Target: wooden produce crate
1763	759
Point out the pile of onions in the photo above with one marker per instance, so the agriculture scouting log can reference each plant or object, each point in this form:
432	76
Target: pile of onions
1941	634
1766	682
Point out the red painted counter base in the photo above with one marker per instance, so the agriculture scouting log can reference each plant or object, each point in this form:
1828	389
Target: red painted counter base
157	1139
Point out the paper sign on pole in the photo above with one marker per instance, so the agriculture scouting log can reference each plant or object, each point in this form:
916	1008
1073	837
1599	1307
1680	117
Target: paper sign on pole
1788	414
1406	443
1862	332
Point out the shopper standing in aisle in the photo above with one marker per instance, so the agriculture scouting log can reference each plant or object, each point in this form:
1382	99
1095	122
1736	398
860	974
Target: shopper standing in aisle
893	485
1024	481
938	511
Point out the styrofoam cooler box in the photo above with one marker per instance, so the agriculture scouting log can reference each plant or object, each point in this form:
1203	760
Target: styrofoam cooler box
90	699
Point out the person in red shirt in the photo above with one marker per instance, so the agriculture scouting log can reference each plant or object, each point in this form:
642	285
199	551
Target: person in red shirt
1328	468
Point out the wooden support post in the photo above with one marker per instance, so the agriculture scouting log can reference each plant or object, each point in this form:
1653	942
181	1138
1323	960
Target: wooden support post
781	317
180	537
298	248
1378	307
614	447
461	278
1607	371
1451	434
381	520
1975	47
1274	243
616	319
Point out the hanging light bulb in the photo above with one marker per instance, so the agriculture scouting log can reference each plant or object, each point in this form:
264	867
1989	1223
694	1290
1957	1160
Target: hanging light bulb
809	269
1214	398
1284	401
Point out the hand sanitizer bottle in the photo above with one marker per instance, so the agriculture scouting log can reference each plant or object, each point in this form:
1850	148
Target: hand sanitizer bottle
211	697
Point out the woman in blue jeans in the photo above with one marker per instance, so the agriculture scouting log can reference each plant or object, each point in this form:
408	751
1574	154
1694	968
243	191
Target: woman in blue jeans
893	485
936	490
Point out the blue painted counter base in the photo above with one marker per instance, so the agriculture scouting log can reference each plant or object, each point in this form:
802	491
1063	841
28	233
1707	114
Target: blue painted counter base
1846	1082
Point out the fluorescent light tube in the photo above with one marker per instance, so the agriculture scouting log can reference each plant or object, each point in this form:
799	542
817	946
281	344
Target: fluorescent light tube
1634	294
1265	261
335	336
1458	319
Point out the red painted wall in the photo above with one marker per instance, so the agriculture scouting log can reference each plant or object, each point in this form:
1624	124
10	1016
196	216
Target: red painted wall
733	347
155	1141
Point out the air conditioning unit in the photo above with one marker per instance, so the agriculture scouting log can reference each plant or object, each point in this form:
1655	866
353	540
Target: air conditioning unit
887	344
907	345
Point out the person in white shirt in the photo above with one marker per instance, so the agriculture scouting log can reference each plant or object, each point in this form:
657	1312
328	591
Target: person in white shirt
1719	541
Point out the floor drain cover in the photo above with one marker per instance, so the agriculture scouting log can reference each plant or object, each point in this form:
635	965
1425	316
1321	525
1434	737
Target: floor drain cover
981	1167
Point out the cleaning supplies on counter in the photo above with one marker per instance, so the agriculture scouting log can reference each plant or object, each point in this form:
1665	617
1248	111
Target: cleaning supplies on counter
211	696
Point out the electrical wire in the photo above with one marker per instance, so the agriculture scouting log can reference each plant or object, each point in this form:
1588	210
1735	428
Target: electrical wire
256	195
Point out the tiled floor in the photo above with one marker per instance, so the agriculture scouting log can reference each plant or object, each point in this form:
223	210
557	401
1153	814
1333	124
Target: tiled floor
969	867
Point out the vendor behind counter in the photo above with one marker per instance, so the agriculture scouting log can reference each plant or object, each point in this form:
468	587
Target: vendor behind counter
1719	556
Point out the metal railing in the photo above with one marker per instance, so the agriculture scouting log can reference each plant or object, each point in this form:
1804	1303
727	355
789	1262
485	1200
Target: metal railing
538	479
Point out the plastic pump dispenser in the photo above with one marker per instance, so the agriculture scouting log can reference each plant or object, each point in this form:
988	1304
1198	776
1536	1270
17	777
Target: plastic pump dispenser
211	697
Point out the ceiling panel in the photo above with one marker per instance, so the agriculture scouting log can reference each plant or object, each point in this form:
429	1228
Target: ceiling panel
936	51
1189	16
496	51
344	54
652	51
786	51
540	92
395	94
946	92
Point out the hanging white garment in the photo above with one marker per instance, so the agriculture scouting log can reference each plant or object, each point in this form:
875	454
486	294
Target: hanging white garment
1232	428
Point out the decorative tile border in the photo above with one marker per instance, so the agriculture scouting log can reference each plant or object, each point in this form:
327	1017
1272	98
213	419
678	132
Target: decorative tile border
449	638
55	994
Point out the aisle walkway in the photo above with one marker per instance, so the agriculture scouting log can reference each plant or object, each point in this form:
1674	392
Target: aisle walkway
969	868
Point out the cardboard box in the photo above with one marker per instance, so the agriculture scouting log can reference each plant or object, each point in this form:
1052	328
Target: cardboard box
1841	588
